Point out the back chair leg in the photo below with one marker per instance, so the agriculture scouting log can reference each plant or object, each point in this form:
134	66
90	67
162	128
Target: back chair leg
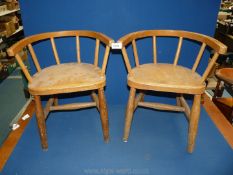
193	123
129	114
143	96
103	114
178	103
55	101
41	122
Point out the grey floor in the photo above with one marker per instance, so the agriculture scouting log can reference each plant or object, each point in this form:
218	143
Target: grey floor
12	99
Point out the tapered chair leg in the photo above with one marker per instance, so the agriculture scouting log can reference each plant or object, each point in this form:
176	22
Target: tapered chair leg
178	103
193	123
41	123
103	114
129	114
55	101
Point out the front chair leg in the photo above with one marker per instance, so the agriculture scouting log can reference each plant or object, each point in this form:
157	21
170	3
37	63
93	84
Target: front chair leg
41	122
129	114
103	114
193	123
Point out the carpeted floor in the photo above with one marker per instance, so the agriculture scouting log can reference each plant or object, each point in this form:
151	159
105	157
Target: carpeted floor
157	145
12	99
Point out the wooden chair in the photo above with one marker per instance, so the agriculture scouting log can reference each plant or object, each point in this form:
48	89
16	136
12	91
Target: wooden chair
225	104
65	78
171	78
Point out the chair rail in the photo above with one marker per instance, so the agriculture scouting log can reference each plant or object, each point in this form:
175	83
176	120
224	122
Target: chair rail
82	33
215	44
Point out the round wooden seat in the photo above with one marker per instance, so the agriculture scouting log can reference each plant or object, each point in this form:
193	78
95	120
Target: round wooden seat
166	77
225	74
65	78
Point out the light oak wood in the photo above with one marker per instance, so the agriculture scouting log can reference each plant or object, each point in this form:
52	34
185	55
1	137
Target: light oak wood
105	60
23	67
68	77
193	123
135	52
72	106
97	45
41	122
178	103
186	107
55	51
129	114
140	97
65	78
49	103
78	49
161	106
178	50
43	36
213	43
210	66
95	99
103	114
55	101
165	77
126	59
199	57
154	50
34	58
171	78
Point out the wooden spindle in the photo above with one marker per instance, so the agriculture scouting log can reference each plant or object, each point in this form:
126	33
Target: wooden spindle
78	49
178	51
105	60
154	50
210	66
34	57
199	57
97	44
126	59
55	50
135	52
23	67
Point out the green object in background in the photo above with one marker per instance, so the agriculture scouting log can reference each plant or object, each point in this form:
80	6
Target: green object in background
11	68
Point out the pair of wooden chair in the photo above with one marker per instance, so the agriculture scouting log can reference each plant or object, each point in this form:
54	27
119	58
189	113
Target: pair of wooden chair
78	77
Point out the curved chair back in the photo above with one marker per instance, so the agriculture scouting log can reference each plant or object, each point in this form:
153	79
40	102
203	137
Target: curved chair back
215	45
30	41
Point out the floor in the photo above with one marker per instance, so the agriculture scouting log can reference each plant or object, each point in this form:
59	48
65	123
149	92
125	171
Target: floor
157	145
12	100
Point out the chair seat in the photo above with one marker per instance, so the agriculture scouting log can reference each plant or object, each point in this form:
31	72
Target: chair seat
166	77
65	78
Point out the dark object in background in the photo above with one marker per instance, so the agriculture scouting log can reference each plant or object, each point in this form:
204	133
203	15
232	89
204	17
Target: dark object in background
225	105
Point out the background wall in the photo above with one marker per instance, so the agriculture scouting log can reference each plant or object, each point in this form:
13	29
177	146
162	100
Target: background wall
115	19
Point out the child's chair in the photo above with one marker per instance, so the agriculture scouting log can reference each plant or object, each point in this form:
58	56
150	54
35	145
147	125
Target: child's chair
171	78
65	77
